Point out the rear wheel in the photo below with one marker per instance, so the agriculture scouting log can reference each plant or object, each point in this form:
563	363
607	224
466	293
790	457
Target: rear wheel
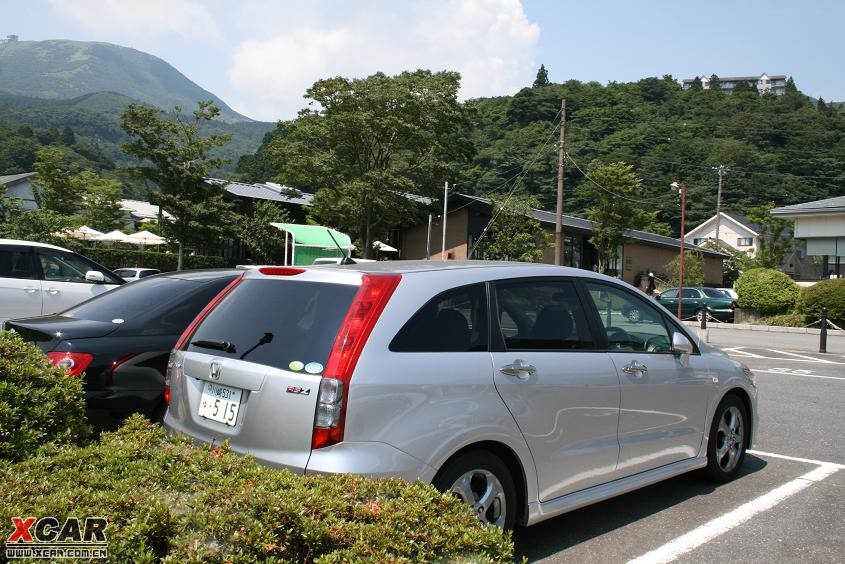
482	481
728	440
699	315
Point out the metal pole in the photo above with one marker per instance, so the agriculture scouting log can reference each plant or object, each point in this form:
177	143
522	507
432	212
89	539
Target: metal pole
722	169
445	206
561	168
823	333
681	266
428	240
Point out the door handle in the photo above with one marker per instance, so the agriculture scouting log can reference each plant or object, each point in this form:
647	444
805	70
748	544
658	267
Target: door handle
53	291
30	289
519	369
635	368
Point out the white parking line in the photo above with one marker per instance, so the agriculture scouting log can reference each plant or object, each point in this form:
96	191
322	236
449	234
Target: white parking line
795	458
737	351
724	523
798	374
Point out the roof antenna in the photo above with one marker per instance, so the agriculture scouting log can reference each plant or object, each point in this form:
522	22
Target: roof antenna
346	258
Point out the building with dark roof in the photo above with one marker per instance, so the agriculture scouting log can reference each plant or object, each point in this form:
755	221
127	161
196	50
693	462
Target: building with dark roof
821	224
19	186
776	83
735	230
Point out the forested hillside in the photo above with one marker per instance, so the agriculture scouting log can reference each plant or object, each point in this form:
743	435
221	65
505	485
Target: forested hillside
60	69
89	128
782	149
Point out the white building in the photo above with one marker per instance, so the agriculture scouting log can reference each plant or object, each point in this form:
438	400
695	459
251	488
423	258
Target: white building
734	229
822	225
775	83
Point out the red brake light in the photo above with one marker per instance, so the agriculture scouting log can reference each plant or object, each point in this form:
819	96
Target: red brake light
280	271
366	307
74	363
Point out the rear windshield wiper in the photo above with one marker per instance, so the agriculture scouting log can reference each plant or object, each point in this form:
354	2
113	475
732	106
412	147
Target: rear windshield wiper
224	346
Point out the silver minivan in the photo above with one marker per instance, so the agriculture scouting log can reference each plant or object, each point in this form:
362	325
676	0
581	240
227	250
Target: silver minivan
521	388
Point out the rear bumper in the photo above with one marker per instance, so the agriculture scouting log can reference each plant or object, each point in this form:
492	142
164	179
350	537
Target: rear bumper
373	459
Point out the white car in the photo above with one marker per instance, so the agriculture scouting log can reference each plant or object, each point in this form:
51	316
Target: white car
40	279
131	274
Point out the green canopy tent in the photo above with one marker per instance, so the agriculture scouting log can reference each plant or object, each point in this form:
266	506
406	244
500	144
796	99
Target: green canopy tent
304	243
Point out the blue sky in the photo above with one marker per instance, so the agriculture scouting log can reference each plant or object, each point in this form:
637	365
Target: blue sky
259	56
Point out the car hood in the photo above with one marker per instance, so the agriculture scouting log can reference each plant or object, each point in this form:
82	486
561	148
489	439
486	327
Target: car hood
47	331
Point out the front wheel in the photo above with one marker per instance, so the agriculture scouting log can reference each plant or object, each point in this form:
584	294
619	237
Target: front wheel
728	440
482	481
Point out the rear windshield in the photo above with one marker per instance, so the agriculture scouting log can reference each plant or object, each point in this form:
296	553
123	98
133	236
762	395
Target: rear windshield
160	303
285	324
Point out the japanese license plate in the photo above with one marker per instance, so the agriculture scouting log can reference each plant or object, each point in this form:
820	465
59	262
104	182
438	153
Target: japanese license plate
220	403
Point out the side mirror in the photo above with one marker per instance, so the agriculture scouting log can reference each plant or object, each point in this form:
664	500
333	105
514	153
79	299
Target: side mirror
95	276
682	347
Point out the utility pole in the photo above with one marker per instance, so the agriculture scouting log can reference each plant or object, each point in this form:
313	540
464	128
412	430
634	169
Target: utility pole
722	170
560	252
445	206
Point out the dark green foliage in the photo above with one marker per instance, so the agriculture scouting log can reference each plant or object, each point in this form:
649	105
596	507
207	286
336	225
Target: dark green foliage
39	404
767	290
784	320
693	269
542	77
176	502
116	258
512	235
827	293
252	227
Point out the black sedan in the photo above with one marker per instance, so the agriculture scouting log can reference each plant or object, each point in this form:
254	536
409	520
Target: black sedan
121	340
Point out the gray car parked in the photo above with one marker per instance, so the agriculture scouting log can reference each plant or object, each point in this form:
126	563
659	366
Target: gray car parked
521	388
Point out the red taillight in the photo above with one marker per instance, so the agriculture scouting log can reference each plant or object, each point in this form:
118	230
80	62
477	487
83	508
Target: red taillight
167	395
190	330
74	363
366	307
280	271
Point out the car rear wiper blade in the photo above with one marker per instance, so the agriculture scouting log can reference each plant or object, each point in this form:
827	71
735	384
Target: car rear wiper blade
224	346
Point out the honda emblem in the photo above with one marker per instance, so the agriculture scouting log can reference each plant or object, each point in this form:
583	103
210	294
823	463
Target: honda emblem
214	370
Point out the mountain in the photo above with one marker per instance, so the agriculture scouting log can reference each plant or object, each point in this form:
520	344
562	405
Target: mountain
61	70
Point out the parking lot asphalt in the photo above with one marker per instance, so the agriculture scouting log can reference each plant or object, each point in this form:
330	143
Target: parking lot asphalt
788	505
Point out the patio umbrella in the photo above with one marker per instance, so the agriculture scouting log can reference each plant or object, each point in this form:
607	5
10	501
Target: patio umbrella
113	236
145	238
384	247
85	233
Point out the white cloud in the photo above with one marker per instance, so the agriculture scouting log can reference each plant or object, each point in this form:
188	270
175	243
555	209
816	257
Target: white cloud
142	20
490	42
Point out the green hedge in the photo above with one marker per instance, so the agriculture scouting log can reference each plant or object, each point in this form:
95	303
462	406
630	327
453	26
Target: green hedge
116	258
39	405
181	503
767	290
827	293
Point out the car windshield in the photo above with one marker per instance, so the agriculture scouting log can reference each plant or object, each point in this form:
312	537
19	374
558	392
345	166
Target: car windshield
125	272
301	319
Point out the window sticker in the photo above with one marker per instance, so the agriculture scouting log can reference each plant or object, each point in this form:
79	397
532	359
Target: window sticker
313	368
296	366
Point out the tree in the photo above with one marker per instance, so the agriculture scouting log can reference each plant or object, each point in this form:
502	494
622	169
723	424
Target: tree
715	83
176	160
67	137
54	189
693	269
38	225
542	78
262	239
775	236
614	197
368	142
100	200
513	234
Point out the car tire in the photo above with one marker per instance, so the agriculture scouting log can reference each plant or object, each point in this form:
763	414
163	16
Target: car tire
728	440
699	315
481	480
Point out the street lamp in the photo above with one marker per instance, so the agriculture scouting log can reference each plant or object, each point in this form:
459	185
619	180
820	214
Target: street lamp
683	190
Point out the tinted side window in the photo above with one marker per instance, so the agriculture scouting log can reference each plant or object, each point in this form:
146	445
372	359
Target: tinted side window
690	293
66	267
280	323
17	264
629	322
454	321
673	293
542	315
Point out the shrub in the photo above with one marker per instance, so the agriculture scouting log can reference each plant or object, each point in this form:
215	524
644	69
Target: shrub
785	320
116	258
827	293
39	404
767	290
175	501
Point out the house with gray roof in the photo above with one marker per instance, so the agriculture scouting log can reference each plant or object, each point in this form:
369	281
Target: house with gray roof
821	224
732	229
19	186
